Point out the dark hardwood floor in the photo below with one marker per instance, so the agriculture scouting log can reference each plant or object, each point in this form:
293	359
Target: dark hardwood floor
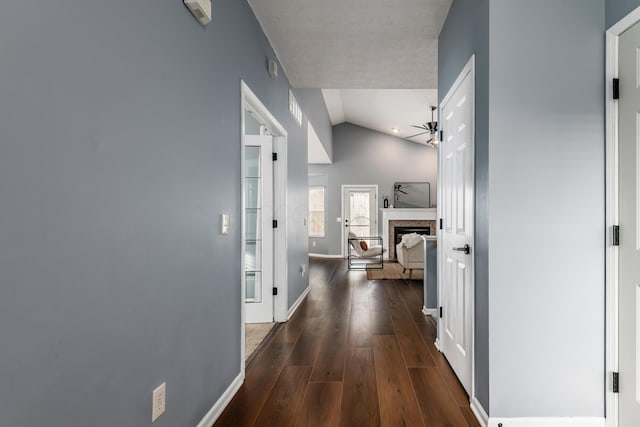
357	352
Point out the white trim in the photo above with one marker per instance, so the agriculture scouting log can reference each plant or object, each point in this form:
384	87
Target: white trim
437	344
296	304
249	100
217	408
343	240
479	412
433	312
548	422
469	68
612	211
326	256
280	246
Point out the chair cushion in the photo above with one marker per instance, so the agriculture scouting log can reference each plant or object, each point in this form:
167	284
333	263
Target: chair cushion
353	241
372	251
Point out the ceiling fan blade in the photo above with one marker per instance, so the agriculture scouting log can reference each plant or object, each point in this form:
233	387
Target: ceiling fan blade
423	127
400	191
417	134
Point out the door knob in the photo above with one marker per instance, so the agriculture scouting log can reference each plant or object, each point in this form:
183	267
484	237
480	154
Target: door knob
466	249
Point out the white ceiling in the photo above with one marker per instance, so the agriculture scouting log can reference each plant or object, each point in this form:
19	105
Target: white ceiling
382	109
355	43
376	61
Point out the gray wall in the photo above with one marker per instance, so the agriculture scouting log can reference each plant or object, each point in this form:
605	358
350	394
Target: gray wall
312	102
120	148
561	194
466	32
546	185
364	156
617	9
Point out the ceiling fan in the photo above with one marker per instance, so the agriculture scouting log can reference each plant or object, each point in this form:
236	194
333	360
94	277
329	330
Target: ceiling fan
431	128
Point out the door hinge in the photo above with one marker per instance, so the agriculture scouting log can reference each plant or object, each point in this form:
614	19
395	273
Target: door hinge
615	382
441	135
616	88
275	223
274	156
615	235
275	291
441	312
440	223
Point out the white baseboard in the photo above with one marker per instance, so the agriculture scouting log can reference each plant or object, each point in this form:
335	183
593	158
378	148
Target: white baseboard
221	404
433	312
547	422
325	256
437	344
479	412
296	304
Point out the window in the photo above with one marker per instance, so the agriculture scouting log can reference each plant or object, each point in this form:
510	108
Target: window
316	212
294	108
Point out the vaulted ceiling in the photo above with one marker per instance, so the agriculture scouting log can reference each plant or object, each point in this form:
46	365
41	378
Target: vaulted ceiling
350	45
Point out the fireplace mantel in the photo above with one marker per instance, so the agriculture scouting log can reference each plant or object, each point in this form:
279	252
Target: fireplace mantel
404	214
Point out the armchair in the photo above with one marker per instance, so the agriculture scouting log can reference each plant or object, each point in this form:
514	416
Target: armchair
410	253
364	256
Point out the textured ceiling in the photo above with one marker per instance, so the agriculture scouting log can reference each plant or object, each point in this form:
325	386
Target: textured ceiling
373	44
382	109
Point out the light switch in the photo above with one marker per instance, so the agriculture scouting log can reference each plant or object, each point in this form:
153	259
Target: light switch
339	219
224	223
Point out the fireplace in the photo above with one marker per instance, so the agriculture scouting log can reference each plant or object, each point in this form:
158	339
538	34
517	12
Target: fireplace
421	219
398	228
398	232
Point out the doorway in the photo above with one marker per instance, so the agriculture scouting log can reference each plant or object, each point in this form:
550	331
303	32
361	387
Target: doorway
359	212
263	246
456	180
623	221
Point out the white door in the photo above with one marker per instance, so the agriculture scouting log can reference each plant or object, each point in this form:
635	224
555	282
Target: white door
629	204
456	175
258	261
360	211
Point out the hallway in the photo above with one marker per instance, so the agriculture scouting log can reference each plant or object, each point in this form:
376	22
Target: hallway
357	352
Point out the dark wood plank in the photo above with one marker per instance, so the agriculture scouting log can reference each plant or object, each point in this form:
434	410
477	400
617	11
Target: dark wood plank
282	406
451	380
259	379
436	403
398	406
321	407
427	328
379	311
359	406
329	365
360	325
290	331
413	346
472	421
306	349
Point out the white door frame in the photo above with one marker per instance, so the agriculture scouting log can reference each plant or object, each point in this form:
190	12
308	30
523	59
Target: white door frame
612	210
469	69
343	239
250	101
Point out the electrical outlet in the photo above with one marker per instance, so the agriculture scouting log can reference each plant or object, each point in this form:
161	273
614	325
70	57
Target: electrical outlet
313	243
158	401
